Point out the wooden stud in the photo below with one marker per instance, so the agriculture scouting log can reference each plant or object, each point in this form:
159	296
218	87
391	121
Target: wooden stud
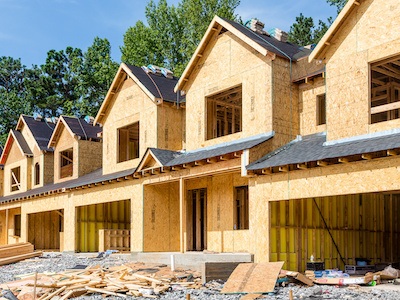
266	171
283	169
302	166
343	160
322	163
391	152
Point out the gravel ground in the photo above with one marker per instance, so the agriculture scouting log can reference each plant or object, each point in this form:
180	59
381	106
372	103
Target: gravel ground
53	262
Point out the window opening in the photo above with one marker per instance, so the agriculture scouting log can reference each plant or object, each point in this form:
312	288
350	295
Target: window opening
15	179
241	218
224	113
128	142
321	109
385	90
17	225
37	174
66	158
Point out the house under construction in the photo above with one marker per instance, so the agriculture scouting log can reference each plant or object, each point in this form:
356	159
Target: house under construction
261	150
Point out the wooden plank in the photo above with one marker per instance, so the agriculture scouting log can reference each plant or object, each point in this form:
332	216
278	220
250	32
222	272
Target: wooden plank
13	259
16	250
217	270
252	278
385	107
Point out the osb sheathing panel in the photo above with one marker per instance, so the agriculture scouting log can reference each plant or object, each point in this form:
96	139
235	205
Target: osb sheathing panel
161	217
308	93
131	105
16	159
353	178
65	141
364	225
367	36
47	168
89	157
101	194
44	230
228	62
285	103
303	68
171	126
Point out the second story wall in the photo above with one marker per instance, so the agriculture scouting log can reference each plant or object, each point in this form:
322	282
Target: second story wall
228	67
171	127
89	157
359	101
131	112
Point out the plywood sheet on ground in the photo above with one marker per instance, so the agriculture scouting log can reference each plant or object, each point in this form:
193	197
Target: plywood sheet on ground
249	278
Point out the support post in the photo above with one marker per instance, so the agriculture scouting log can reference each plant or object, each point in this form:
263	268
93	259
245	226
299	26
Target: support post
181	214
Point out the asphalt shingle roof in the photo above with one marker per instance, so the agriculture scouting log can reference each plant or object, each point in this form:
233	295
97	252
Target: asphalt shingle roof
272	44
41	131
220	149
82	129
91	178
313	148
158	85
22	142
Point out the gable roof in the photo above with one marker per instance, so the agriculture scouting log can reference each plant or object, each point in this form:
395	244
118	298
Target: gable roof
158	158
40	129
157	87
262	43
312	148
324	43
77	128
22	145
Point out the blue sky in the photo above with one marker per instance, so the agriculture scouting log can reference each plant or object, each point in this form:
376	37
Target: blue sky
30	28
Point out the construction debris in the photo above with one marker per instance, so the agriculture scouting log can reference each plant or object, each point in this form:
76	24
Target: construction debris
121	281
16	252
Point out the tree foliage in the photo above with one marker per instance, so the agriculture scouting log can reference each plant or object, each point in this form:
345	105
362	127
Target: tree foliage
70	82
303	32
172	33
338	3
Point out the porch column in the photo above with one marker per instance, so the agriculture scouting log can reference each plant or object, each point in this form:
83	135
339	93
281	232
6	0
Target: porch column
69	227
182	212
7	227
137	218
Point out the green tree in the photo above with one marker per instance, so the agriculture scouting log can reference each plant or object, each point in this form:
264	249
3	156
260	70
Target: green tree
95	76
304	32
13	94
338	3
173	33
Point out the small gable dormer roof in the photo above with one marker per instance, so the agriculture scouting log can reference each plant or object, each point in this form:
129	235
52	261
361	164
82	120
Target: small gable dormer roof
78	128
320	50
157	87
41	130
261	42
23	146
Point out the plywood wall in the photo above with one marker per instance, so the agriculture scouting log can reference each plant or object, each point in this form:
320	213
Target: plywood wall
130	105
228	62
335	228
161	217
368	35
65	141
16	159
308	93
171	126
89	156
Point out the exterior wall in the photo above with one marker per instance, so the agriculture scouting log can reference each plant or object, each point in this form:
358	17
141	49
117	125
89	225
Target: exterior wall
65	141
17	159
285	107
7	225
161	217
89	156
130	105
228	62
368	35
378	175
171	126
308	93
1	181
48	168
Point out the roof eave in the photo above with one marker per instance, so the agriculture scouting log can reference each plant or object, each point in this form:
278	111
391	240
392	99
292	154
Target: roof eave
321	47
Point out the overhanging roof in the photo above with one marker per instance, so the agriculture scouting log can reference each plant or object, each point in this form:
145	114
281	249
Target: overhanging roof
320	49
22	145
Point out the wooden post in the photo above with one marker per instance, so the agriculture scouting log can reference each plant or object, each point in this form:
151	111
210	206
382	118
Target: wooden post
181	214
7	226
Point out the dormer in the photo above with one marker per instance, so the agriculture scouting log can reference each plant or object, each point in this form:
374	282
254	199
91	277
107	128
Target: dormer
16	159
37	132
140	111
77	148
238	85
361	51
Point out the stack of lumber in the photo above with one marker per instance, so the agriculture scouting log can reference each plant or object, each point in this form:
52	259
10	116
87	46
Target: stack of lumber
16	252
123	281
